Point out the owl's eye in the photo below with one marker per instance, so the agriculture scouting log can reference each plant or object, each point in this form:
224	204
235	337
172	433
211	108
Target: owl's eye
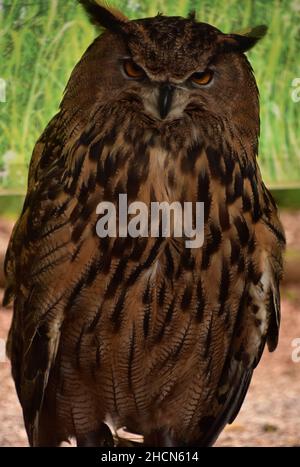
132	70
202	78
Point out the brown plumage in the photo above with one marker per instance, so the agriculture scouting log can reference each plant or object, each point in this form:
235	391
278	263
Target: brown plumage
145	333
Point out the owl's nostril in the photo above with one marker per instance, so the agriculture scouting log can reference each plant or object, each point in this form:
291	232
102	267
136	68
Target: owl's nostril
166	92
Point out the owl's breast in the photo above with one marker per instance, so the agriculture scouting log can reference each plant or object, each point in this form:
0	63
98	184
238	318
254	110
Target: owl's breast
154	319
172	173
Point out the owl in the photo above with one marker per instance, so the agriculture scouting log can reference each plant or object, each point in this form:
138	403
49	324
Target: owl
143	333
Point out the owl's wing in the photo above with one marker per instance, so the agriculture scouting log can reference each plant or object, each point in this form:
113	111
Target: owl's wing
257	323
39	269
30	345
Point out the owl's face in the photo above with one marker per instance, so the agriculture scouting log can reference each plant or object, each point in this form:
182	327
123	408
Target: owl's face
170	67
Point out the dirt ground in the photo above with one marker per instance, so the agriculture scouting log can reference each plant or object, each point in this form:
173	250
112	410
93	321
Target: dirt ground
270	415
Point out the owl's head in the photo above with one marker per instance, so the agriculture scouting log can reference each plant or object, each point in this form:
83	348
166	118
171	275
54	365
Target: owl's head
169	66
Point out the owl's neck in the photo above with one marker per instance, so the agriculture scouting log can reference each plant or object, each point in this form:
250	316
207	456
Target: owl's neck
151	160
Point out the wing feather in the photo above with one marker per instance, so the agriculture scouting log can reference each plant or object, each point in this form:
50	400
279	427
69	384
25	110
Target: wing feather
34	337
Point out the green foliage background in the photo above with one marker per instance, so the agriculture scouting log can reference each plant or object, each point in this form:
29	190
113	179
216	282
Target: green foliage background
41	40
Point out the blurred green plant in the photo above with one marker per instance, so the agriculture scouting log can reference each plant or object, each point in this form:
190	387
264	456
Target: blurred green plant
41	40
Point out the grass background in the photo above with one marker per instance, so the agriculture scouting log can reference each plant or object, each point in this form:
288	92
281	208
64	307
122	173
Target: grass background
41	41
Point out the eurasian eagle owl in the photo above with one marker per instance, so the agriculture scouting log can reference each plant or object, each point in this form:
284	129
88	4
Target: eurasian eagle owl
145	333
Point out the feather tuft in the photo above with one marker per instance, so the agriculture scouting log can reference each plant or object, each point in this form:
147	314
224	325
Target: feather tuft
103	15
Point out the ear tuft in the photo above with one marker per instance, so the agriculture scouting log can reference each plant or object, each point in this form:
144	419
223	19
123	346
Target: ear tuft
257	32
243	41
104	16
192	15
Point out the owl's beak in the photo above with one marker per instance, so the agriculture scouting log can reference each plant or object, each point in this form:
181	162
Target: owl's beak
165	98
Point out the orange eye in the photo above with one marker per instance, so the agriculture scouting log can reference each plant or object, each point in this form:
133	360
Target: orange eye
132	70
202	78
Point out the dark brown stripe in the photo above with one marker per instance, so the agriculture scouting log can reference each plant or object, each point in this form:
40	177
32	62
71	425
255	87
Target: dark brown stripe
75	292
117	278
229	168
208	340
95	321
53	191
60	209
181	343
139	248
189	159
121	246
204	194
131	356
119	188
77	231
133	182
51	265
241	264
169	262
51	252
238	185
76	252
146	320
187	260
274	314
162	294
98	356
88	210
87	136
200	302
242	230
117	312
168	318
39	353
224	286
254	275
212	245
96	150
171	178
77	167
235	252
75	214
106	168
256	209
83	194
251	244
50	230
147	263
214	162
187	297
247	205
147	294
280	236
93	271
224	217
268	198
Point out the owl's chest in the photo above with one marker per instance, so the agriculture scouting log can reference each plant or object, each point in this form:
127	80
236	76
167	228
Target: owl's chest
165	174
160	180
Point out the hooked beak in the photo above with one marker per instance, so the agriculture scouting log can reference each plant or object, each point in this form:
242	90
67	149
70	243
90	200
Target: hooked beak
165	98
